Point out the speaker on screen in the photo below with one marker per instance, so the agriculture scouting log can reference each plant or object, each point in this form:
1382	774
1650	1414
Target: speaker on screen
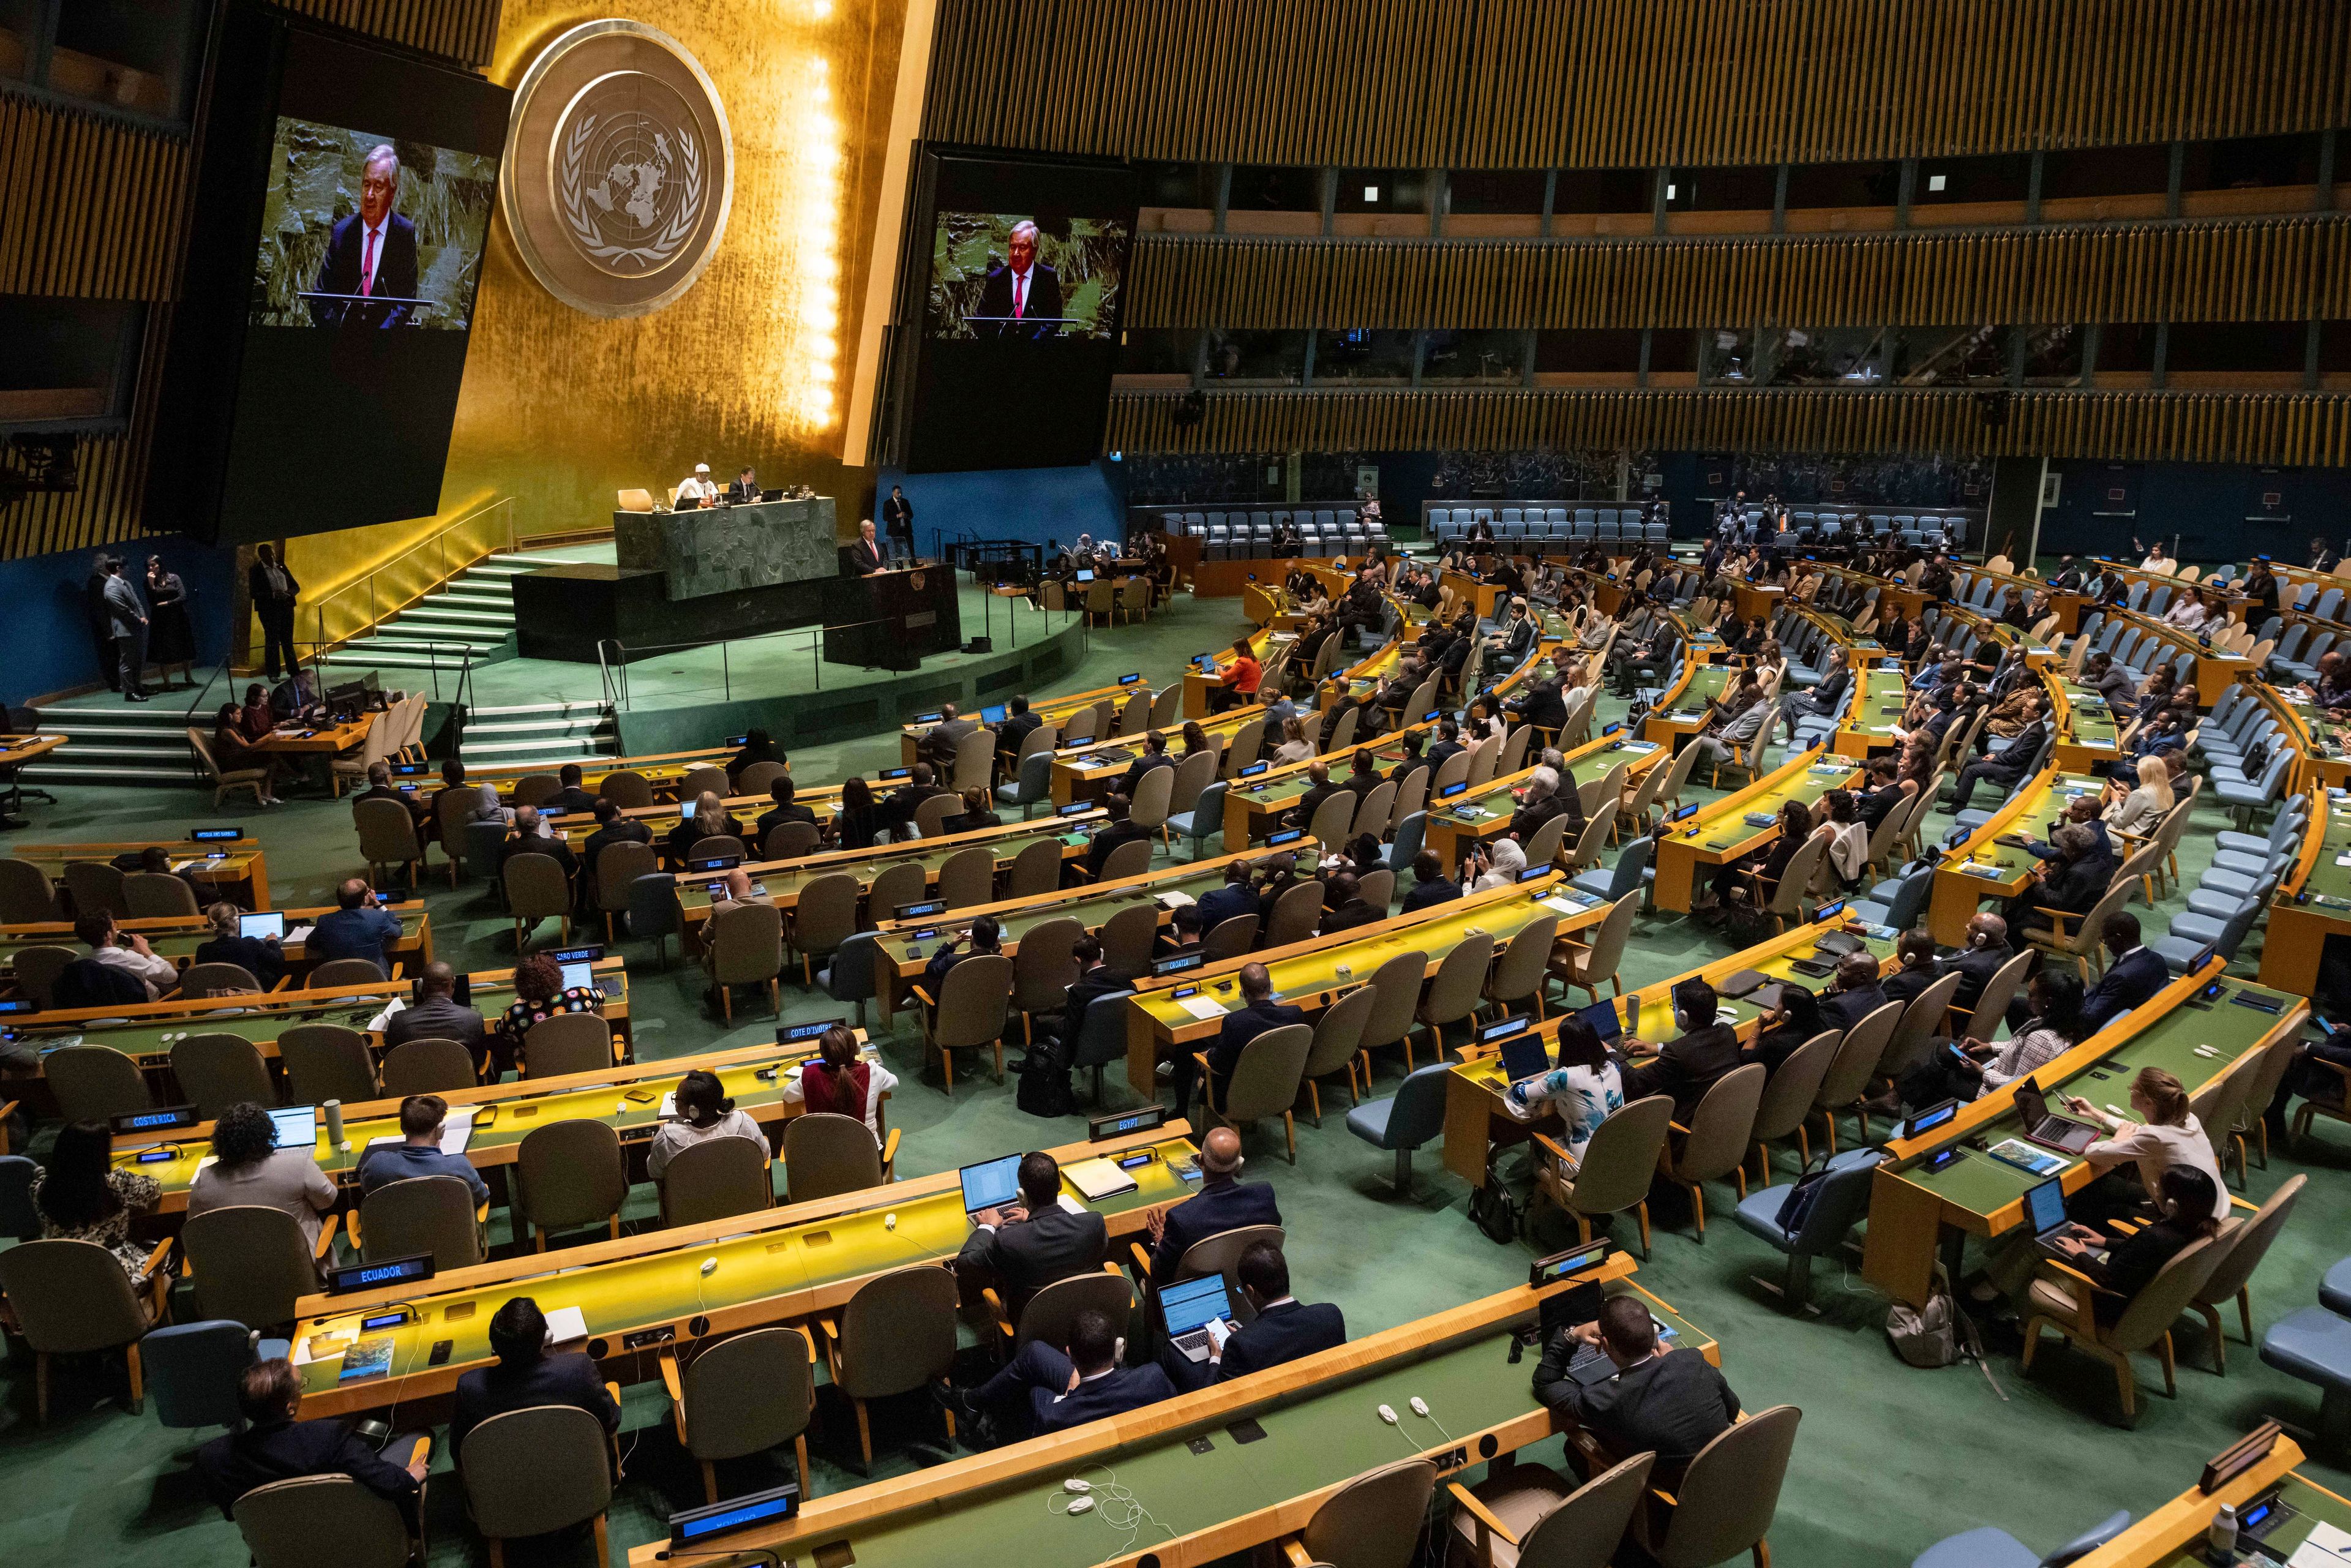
340	210
1023	283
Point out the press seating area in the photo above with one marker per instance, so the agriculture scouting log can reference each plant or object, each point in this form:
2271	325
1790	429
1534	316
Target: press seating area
1943	530
1249	535
1542	520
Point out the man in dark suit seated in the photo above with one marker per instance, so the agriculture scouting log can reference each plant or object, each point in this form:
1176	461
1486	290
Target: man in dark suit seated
2070	884
784	810
1235	897
1448	747
1543	707
1981	953
1685	1067
2135	974
1021	298
1183	935
1118	830
1095	980
1319	789
525	1374
572	797
1019	1251
1283	1330
2007	766
1016	728
527	839
1429	882
943	739
898	809
276	1445
1224	1202
1347	908
1154	755
435	1015
1044	1390
1258	1013
612	828
371	253
378	788
1612	1378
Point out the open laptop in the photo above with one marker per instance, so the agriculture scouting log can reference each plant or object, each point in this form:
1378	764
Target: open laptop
1188	1307
1524	1057
1601	1017
992	1184
2063	1134
267	924
994	714
2044	1210
295	1126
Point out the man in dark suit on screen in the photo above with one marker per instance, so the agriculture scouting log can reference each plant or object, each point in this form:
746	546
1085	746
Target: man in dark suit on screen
1021	291
371	253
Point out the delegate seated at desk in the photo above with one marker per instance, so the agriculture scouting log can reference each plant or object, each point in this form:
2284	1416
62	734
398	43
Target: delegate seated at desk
1284	1329
277	1445
1613	1379
1045	1389
1224	1202
1686	1068
1258	1013
1021	1249
527	1375
422	1118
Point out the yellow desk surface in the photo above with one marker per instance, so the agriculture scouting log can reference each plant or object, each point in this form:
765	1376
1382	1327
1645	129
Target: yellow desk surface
1313	974
178	936
664	770
626	1099
2172	1536
1475	816
1984	868
2314	902
230	863
1057	711
1720	833
1913	1209
778	1266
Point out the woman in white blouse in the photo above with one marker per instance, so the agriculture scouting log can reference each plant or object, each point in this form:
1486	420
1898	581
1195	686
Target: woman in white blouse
2137	811
2187	612
704	1111
2161	1132
1586	1089
840	1079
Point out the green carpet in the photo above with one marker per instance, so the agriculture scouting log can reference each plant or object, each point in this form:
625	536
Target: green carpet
1889	1460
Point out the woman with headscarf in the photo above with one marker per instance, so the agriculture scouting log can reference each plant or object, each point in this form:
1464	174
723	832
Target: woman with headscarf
490	809
1503	860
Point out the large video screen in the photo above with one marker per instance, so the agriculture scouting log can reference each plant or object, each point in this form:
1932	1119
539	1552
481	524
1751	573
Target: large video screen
1020	318
342	207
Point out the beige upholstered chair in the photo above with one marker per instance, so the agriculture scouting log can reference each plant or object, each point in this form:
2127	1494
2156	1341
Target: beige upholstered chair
94	886
1714	1144
1230	939
896	1334
755	780
1459	987
1787	1101
566	1044
1618	1164
428	1067
432	1214
453	809
1519	975
714	845
1854	1064
1036	868
2242	1247
37	969
537	890
1992	1006
1049	1315
825	917
249	1263
72	1298
217	1070
969	877
1395	986
1043	970
536	1471
969	1011
744	1395
224	783
627	788
714	1179
827	1154
1921	1025
1338	1041
569	1174
151	895
901	882
284	1522
1373	1521
747	948
95	1083
387	837
1295	912
338	972
1531	1516
199	980
26	895
791	841
2063	1298
1264	1080
1127	938
931	816
1723	1503
537	788
615	873
325	1061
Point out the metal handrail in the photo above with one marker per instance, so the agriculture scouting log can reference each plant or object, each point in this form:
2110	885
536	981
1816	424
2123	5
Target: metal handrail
442	572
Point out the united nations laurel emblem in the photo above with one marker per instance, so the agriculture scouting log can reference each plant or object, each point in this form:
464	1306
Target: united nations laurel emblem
619	169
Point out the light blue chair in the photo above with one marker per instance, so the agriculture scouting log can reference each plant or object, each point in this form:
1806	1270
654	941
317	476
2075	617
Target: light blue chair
2335	1290
1102	1037
849	977
2314	1346
191	1370
1399	854
1630	872
652	910
1410	1117
1205	820
1898	901
1035	783
1843	1199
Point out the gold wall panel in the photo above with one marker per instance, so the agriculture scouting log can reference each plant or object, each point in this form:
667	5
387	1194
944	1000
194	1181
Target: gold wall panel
1602	83
2268	428
2254	269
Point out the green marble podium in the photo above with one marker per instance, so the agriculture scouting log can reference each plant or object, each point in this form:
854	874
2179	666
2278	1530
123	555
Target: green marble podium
721	550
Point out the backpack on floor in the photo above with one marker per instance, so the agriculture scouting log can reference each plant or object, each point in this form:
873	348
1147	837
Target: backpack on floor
1044	1089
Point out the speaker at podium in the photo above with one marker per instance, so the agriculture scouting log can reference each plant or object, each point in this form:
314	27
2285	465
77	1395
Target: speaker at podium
893	620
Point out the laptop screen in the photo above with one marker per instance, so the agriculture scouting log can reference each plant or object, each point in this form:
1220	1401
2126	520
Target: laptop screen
576	976
2031	1105
992	1184
992	714
2044	1207
1523	1057
297	1126
1601	1017
269	923
1085	577
1195	1303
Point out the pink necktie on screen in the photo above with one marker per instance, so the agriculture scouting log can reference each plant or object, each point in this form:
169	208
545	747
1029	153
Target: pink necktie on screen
367	267
1019	298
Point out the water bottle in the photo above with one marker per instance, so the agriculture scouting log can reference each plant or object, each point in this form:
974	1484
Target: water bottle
334	1109
2221	1540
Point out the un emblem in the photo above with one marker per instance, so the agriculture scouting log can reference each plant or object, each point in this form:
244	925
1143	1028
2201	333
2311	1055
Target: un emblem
618	169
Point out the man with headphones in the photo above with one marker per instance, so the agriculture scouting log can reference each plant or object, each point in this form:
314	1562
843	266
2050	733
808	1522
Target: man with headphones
1045	1389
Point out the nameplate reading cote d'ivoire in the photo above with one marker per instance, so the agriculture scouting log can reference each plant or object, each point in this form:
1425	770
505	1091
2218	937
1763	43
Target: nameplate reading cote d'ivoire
620	169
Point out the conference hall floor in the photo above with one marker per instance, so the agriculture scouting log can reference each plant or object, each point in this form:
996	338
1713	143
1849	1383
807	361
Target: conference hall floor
1889	1460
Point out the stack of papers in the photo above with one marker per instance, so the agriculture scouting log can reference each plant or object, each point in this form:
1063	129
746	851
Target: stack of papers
1203	1006
458	1130
2326	1547
566	1326
296	934
1098	1179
